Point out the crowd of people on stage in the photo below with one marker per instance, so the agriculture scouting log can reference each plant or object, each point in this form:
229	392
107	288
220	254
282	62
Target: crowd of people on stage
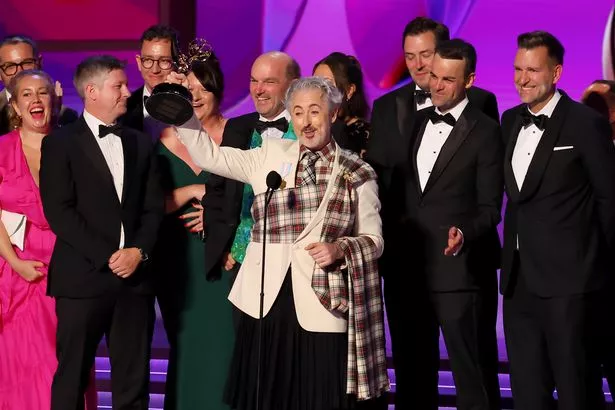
105	212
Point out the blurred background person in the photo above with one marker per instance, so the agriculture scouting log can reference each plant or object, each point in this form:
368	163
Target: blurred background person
27	315
351	129
19	53
600	95
191	290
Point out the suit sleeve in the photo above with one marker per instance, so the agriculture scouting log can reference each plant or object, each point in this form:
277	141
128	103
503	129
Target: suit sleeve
153	206
228	162
59	203
598	156
489	187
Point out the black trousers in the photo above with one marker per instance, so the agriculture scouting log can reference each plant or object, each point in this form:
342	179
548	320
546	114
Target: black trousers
126	319
467	320
551	345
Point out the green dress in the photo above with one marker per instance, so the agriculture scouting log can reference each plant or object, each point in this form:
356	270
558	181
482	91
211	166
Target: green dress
196	313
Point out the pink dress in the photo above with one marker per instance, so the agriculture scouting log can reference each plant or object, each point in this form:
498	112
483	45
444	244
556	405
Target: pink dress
27	315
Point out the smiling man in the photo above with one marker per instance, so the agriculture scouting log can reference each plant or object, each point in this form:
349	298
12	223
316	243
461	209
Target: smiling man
452	196
270	76
102	197
394	116
309	347
559	232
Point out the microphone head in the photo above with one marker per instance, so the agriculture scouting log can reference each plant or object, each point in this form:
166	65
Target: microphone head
274	180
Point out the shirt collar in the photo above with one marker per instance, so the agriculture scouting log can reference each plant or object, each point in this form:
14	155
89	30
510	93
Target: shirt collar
327	154
550	107
284	114
92	122
456	110
146	93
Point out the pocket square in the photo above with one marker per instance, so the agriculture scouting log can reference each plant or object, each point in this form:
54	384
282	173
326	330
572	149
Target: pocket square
562	148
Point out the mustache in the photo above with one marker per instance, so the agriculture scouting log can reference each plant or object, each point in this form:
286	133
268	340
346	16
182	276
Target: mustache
308	129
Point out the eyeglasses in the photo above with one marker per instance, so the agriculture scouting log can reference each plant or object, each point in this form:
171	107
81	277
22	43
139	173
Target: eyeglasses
28	64
163	63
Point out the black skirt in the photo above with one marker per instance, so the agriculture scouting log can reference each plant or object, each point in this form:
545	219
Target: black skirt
301	370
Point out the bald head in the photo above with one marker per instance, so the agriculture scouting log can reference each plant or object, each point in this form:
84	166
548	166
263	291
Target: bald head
270	77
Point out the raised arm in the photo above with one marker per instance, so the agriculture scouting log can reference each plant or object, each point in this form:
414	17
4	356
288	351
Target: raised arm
233	163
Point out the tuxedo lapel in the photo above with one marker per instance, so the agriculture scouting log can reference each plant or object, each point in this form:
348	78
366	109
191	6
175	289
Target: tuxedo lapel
85	140
457	136
406	108
509	175
421	124
129	146
543	153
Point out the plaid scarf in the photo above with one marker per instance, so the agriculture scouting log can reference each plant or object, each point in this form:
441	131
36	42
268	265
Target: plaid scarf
356	295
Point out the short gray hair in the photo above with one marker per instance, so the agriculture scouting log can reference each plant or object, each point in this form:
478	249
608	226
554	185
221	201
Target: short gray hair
330	92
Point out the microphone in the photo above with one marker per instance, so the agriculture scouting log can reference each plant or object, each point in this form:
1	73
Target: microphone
274	180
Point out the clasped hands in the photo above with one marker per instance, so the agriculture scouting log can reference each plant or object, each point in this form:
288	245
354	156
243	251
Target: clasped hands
125	261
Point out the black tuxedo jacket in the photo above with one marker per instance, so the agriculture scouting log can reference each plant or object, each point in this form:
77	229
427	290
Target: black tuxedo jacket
392	123
223	199
564	214
224	196
134	110
67	115
465	190
83	210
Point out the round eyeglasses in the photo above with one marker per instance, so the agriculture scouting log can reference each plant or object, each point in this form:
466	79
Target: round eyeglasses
163	63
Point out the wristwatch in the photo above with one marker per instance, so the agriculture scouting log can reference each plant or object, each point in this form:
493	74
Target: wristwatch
144	255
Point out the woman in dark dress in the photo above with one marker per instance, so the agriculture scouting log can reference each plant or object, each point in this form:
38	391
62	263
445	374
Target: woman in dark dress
196	313
344	71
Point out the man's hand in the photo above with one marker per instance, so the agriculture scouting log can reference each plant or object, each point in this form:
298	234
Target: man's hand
125	261
455	241
228	261
325	254
177	78
59	94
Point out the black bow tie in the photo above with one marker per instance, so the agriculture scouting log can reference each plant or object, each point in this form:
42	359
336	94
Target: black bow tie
281	124
527	119
436	118
421	96
103	130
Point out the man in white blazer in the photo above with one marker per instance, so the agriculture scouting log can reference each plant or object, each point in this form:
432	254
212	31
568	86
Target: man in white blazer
323	239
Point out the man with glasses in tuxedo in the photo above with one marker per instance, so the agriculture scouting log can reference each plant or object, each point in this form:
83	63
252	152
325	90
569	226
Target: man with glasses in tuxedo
157	58
19	53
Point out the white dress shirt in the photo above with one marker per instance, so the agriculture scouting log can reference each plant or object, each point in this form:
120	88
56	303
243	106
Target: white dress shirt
433	140
427	102
274	132
112	150
528	140
151	126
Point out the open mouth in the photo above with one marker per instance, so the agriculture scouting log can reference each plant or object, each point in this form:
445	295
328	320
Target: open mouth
37	113
309	133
